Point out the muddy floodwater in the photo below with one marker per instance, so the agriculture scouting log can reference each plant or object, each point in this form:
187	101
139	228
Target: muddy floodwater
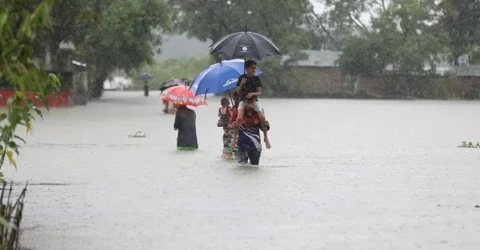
342	174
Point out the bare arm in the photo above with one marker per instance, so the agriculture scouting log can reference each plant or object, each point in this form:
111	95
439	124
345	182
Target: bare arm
240	89
258	93
240	84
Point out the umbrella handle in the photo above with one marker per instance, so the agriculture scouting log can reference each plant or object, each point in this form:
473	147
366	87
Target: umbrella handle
206	94
231	99
245	59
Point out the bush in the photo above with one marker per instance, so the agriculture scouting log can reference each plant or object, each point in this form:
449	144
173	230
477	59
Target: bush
173	68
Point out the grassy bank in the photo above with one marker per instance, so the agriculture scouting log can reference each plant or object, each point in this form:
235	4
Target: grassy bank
173	68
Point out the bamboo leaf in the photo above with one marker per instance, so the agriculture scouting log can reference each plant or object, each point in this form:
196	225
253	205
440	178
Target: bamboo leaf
28	126
6	223
3	19
20	138
13	145
11	160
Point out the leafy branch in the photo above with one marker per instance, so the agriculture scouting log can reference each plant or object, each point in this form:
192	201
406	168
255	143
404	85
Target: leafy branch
19	25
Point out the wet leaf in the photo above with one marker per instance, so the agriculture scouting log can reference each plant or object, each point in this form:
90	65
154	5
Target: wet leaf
6	223
3	19
13	145
20	138
28	126
11	160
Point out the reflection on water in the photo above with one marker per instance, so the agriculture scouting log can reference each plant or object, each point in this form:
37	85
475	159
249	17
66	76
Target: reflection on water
341	175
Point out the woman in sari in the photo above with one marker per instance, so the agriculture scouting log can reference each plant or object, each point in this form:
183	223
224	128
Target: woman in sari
185	120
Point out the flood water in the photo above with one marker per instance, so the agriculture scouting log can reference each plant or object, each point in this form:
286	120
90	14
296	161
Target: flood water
342	174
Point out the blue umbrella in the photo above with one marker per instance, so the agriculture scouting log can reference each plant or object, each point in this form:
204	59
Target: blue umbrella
219	77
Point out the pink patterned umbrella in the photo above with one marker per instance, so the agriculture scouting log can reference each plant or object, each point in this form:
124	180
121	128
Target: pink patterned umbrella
183	96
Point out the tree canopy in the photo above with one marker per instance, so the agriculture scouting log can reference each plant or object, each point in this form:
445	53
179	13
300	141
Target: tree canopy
109	34
376	36
283	21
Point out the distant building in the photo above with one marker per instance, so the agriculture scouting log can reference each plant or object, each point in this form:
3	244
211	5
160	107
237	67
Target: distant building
328	59
117	83
318	58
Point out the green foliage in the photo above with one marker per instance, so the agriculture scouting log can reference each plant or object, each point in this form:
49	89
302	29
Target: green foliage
173	69
18	29
280	20
124	38
402	39
469	145
358	57
460	21
138	134
109	34
279	77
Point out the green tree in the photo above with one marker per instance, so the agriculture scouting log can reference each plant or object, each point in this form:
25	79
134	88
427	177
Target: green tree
125	37
283	21
460	20
402	39
19	25
108	34
346	15
286	22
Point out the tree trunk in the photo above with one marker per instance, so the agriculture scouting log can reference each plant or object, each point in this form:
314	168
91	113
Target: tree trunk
97	87
456	53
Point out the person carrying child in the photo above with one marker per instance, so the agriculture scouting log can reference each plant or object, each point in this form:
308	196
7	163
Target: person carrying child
249	87
249	142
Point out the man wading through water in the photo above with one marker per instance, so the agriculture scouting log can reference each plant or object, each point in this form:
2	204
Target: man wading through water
249	87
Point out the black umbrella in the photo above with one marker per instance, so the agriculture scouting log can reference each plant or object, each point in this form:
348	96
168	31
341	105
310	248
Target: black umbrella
144	76
244	44
170	83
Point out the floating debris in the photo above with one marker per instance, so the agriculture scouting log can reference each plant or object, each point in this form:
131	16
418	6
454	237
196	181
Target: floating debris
469	144
138	134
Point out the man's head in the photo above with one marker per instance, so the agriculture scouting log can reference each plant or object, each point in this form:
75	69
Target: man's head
250	67
249	107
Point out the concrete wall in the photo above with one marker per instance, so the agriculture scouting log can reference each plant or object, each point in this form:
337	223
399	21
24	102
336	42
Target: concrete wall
79	90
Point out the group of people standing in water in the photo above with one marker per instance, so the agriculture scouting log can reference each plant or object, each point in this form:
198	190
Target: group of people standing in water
241	123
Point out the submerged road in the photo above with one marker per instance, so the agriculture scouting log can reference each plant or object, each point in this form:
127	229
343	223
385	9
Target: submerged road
342	174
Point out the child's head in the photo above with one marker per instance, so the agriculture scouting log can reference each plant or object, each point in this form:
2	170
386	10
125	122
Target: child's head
250	67
224	102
